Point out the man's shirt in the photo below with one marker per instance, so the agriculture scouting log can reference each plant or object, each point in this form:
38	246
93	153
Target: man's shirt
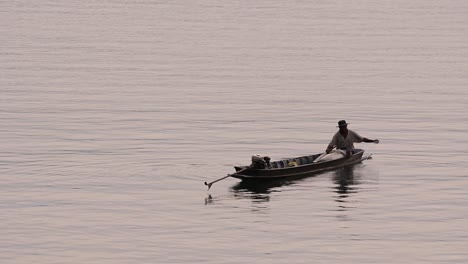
340	142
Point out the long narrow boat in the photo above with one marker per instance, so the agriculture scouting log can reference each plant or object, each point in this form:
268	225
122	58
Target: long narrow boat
295	167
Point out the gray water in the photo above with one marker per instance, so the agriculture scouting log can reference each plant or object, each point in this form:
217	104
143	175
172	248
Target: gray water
113	114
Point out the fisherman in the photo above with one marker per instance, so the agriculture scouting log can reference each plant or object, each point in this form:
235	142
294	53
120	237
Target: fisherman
344	139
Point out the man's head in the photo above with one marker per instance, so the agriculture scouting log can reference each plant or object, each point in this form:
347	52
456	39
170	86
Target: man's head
342	125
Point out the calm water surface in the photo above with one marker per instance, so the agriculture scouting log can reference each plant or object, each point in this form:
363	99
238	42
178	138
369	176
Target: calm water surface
114	113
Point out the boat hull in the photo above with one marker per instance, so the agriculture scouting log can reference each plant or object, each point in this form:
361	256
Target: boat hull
304	169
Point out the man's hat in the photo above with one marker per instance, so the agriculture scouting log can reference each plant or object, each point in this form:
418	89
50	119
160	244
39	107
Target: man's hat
342	123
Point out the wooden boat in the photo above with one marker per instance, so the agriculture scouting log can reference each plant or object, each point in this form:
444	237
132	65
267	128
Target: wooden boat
295	167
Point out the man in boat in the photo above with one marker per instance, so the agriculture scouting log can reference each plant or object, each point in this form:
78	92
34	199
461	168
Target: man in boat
344	139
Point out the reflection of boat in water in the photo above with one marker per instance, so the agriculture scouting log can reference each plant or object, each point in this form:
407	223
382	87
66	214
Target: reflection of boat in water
257	191
261	190
344	184
294	168
260	187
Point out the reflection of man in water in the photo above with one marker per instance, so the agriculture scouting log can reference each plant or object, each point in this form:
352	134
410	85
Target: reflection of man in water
345	187
343	178
344	139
